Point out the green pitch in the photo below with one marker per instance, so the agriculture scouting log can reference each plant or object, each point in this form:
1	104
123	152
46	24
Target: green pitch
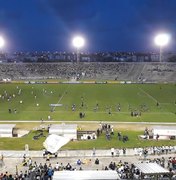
100	143
100	102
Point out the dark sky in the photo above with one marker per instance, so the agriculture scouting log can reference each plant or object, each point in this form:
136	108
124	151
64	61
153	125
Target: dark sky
107	25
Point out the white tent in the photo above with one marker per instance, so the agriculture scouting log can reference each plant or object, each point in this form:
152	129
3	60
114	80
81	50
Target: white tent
86	175
66	130
153	169
54	142
164	132
6	130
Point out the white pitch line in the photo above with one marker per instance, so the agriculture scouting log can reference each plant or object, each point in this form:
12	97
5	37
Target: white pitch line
165	103
150	96
61	97
103	112
91	122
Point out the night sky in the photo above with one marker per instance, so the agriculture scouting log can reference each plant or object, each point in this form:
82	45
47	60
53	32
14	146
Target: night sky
107	25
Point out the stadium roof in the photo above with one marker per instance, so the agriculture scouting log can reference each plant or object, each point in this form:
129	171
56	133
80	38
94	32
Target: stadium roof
151	168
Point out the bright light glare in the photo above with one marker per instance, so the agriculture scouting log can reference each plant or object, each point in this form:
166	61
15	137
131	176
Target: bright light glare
1	42
78	42
162	39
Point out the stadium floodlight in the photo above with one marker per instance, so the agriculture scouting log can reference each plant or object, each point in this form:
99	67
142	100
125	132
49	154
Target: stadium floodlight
78	42
1	42
161	40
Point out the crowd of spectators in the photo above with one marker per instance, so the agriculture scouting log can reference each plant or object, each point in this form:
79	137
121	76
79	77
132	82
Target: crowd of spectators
34	172
161	72
154	150
96	70
61	70
125	170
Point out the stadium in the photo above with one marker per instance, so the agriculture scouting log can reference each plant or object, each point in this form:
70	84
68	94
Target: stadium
104	99
87	90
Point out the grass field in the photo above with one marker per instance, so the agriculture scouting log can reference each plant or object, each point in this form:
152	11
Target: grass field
36	98
100	143
99	102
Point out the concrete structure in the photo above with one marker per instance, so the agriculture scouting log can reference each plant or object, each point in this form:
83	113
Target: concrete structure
6	130
66	130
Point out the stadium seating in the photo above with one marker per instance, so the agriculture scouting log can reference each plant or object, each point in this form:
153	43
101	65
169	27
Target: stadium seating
135	72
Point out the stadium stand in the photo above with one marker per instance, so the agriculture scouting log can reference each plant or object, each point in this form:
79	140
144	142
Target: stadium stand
135	72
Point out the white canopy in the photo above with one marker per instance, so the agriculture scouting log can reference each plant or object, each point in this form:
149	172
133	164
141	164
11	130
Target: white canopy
164	130
66	130
6	130
54	142
86	175
151	168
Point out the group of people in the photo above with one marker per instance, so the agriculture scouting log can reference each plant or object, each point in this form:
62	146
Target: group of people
121	137
34	172
91	70
128	170
25	71
125	170
109	132
154	150
135	113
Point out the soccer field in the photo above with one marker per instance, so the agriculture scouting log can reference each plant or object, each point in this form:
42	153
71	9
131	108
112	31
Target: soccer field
99	102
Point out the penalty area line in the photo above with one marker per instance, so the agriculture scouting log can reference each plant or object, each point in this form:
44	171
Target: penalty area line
61	96
150	96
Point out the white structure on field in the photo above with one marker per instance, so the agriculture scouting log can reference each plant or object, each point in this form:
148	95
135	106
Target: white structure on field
164	132
151	169
6	130
66	130
54	142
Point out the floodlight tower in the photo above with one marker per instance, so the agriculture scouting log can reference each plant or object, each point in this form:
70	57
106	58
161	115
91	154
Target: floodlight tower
1	45
78	42
161	40
1	42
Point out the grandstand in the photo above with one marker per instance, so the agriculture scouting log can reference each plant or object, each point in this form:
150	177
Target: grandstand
135	72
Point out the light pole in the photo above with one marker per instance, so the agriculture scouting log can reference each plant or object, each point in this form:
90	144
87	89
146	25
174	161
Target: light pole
78	42
161	40
1	42
1	45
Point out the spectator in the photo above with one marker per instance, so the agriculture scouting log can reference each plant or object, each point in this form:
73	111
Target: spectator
78	162
97	161
112	152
